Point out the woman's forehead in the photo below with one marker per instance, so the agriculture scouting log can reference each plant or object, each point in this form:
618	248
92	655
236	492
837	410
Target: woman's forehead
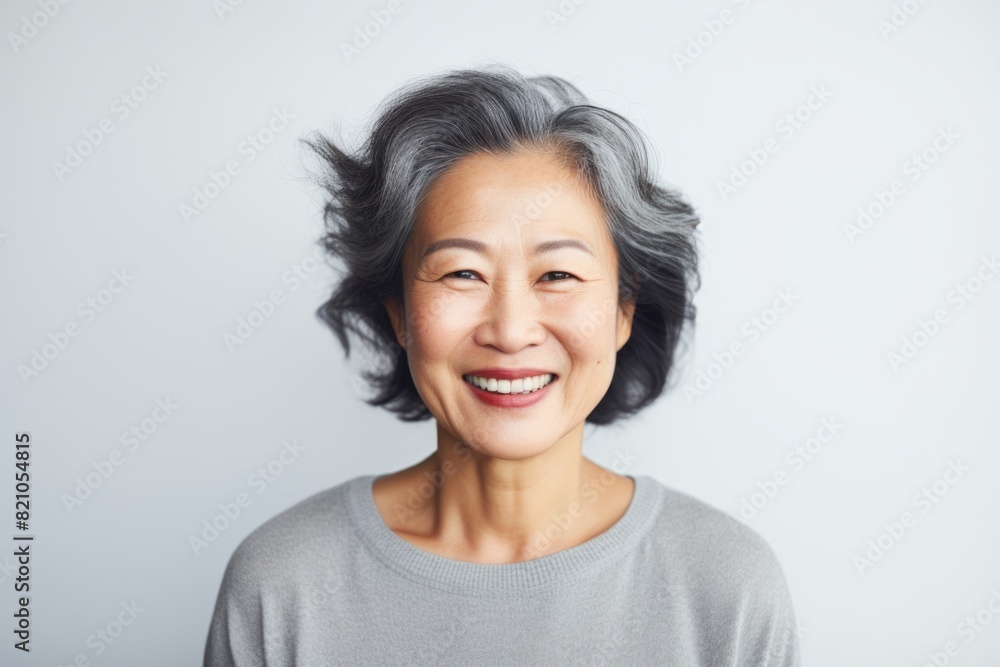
521	168
526	188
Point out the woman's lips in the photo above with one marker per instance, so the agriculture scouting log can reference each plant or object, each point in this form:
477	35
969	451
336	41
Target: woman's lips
502	373
499	400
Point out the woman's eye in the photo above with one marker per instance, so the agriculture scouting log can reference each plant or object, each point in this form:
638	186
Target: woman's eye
560	275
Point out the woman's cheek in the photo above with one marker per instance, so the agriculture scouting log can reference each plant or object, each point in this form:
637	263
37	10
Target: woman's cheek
588	325
426	309
440	320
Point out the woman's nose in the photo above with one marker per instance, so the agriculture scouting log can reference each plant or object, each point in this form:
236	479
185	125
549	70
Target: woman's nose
511	318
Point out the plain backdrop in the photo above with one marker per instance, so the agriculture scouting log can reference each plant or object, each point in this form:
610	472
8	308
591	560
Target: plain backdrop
815	115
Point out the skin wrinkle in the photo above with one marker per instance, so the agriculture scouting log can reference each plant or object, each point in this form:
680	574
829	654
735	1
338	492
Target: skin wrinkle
427	128
526	463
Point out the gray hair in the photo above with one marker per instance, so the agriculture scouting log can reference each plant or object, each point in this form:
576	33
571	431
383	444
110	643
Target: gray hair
424	128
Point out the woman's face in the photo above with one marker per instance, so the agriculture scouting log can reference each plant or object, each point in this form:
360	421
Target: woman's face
482	291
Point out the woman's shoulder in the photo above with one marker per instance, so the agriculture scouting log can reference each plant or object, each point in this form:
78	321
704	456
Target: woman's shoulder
306	533
713	550
728	576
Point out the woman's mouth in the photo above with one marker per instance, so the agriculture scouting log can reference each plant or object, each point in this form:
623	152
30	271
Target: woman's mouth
517	393
526	385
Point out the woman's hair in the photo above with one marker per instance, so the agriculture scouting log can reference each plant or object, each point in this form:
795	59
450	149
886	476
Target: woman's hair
427	126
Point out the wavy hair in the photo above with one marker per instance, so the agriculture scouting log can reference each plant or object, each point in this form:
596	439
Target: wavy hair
425	127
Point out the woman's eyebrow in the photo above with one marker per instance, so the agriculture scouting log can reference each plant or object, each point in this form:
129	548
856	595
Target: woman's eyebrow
482	249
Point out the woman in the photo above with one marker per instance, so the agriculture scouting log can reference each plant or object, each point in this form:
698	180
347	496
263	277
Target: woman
509	253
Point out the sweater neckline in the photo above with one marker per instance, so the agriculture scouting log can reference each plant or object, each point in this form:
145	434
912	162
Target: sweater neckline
533	575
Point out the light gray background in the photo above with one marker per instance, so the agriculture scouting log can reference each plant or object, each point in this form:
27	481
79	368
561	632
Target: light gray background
826	357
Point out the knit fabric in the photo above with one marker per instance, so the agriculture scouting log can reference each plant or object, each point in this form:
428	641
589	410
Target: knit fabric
673	582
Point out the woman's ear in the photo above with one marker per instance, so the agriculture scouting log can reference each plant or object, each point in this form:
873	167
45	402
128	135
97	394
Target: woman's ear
626	312
398	319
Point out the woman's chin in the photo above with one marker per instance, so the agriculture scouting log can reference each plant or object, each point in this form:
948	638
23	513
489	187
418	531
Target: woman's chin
508	442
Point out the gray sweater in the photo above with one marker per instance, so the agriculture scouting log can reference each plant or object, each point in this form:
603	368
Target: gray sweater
673	582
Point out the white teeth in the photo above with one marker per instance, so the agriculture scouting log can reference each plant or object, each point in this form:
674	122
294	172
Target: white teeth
525	385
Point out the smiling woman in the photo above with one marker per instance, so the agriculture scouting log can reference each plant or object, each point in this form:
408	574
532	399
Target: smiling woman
509	253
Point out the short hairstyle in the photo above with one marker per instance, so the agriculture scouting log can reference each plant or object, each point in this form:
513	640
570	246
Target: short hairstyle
425	127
